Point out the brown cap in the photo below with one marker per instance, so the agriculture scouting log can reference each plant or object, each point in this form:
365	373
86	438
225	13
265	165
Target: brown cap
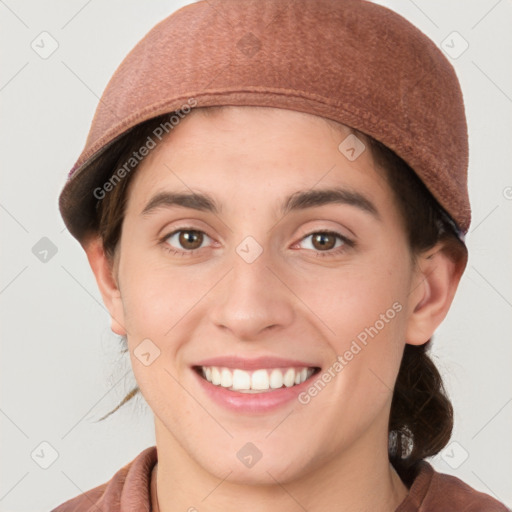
348	60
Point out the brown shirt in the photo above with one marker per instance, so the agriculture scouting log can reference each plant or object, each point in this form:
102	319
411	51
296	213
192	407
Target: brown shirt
133	489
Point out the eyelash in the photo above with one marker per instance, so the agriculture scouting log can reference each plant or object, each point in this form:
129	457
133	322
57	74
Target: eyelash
347	243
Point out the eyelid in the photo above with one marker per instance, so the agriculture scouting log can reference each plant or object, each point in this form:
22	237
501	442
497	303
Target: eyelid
346	234
182	224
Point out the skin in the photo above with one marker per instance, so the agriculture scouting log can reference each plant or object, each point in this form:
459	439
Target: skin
289	302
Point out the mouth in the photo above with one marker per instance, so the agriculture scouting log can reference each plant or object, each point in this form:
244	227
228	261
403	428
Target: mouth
261	380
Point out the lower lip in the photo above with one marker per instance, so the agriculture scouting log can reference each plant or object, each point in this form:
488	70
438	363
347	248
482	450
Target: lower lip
252	402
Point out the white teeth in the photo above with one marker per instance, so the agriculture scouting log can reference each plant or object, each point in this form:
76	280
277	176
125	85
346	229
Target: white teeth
276	379
226	378
241	380
289	377
216	376
257	381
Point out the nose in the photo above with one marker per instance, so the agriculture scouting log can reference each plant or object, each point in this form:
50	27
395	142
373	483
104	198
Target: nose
252	299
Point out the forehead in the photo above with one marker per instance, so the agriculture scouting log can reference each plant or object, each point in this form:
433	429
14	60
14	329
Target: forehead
256	150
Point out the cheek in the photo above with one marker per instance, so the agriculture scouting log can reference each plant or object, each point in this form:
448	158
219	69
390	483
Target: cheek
149	308
155	302
357	297
362	312
154	295
366	346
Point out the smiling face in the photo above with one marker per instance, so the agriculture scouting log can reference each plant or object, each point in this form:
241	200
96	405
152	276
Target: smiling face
287	249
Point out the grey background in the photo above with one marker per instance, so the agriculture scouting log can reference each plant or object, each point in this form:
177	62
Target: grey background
60	364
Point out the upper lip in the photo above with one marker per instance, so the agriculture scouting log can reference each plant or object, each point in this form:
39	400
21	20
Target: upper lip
254	364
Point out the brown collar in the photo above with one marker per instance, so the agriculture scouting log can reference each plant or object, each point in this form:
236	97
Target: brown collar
154	496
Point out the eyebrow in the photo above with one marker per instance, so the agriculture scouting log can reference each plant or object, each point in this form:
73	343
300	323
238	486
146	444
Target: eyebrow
303	199
196	201
299	200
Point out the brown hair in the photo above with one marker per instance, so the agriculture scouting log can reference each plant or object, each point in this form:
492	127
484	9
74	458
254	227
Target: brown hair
421	416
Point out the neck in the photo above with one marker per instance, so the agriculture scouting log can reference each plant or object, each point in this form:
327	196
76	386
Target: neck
354	481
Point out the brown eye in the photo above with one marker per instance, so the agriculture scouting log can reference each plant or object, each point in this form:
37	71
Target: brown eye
324	240
190	239
185	240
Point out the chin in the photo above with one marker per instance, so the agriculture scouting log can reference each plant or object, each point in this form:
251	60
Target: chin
268	469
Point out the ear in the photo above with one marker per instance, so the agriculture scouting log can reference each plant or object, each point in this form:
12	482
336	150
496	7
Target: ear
107	283
437	277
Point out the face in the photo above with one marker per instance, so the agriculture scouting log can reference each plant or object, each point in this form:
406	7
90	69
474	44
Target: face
265	274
